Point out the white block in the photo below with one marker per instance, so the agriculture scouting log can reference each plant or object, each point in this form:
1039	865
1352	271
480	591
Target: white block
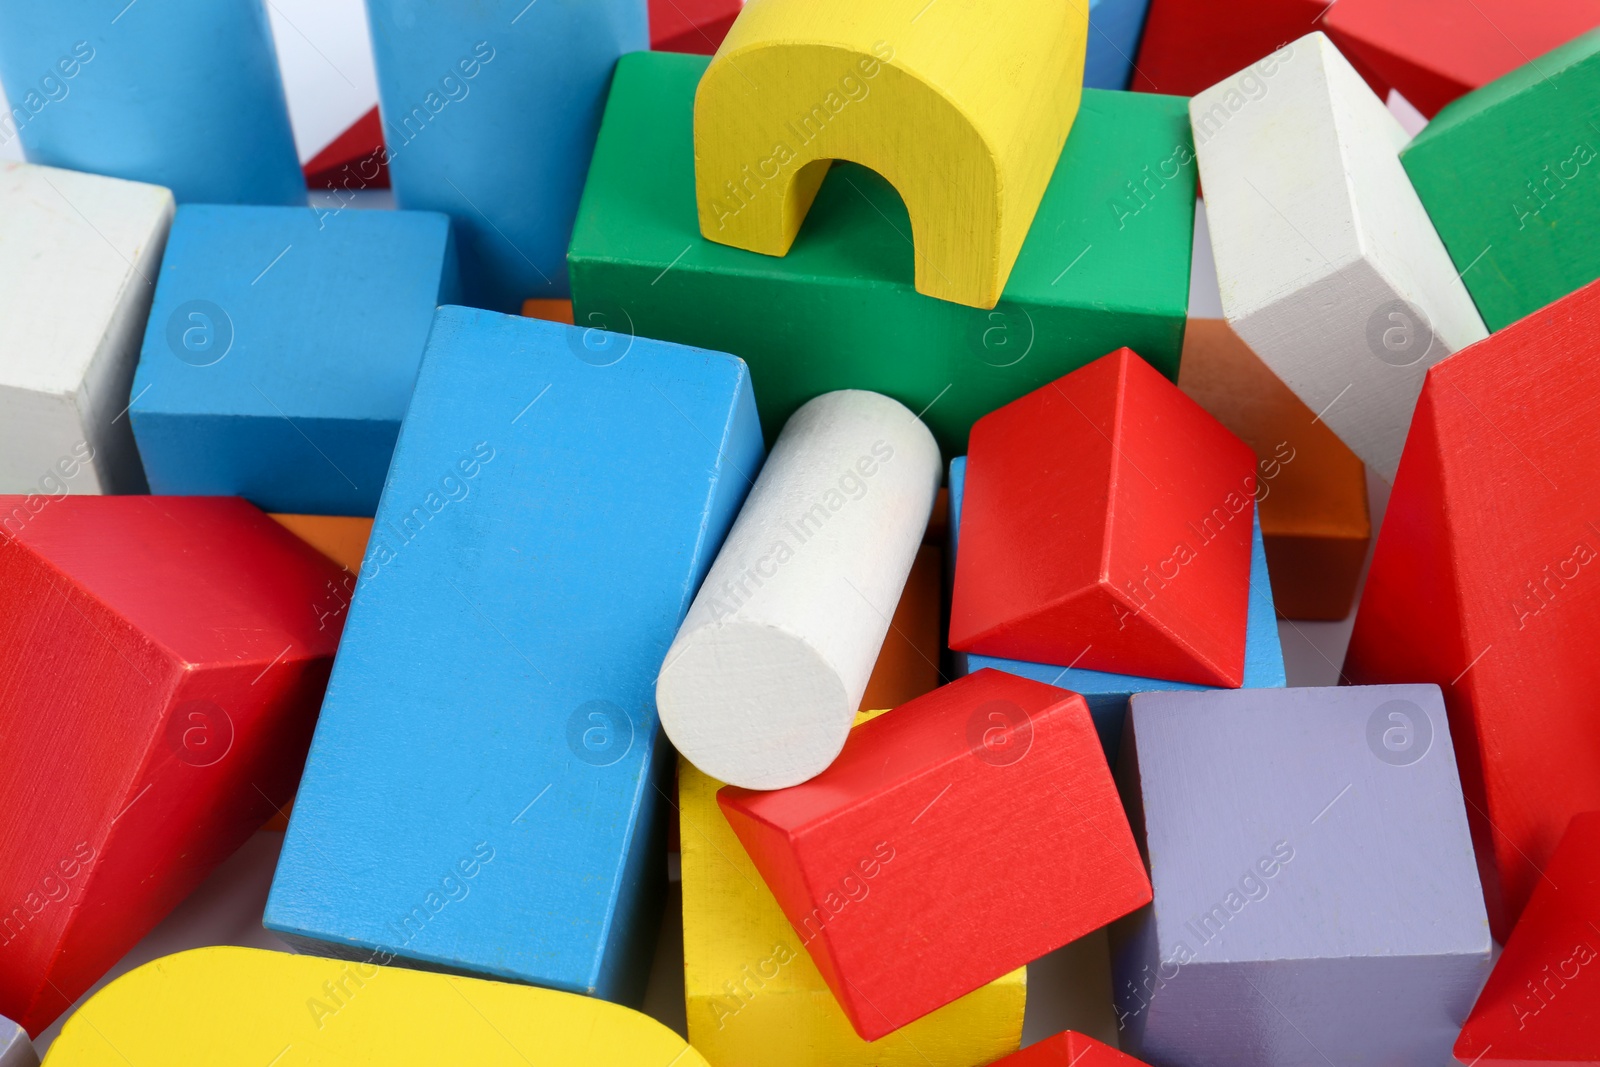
1327	262
78	261
767	671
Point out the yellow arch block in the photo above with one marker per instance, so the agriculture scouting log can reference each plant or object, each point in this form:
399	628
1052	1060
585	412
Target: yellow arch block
245	1007
962	105
755	997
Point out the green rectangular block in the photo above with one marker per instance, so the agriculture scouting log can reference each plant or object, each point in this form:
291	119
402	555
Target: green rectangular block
1106	264
1510	175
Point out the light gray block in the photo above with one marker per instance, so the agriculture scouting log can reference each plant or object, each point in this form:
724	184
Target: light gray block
15	1048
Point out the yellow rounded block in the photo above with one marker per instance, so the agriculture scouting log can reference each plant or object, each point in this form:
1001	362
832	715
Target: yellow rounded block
755	997
245	1007
962	105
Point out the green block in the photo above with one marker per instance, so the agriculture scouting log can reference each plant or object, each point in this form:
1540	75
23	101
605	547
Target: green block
1106	264
1510	175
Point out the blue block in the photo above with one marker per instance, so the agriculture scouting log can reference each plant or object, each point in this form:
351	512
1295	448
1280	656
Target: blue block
490	113
485	790
181	93
281	351
1316	895
1107	694
1115	27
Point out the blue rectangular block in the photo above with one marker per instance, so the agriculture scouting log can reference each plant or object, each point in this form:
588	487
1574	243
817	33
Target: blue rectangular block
484	791
1115	27
1107	694
490	113
281	351
182	93
1316	897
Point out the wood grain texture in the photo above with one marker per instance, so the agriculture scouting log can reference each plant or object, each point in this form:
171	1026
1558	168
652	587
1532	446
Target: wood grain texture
342	538
1106	263
1311	492
770	665
953	840
281	350
1482	582
509	173
1316	899
908	662
1542	999
244	1007
1505	173
1106	524
77	255
755	996
165	657
696	26
15	1048
1068	1049
1106	693
1328	265
185	95
908	90
508	624
1434	51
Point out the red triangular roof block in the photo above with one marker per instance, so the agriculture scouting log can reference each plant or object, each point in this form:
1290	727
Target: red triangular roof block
356	159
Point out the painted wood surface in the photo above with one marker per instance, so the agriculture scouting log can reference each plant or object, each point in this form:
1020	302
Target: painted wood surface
1479	583
78	254
506	632
1068	1049
1328	265
1106	524
755	996
342	538
165	657
696	26
1312	870
1115	29
184	94
281	350
244	1007
15	1048
912	867
908	663
905	89
1106	264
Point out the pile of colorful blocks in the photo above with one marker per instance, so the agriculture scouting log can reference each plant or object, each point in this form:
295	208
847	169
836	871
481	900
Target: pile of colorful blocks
775	537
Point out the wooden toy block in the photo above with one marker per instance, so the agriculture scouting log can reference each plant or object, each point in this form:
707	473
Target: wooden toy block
903	867
342	538
77	255
1436	50
769	668
281	350
184	94
908	662
1068	1049
354	160
1106	693
17	1051
1107	264
696	26
909	91
1106	524
1504	174
1540	1005
509	166
245	1007
1190	45
1329	267
1316	900
164	662
1115	27
1479	580
754	994
549	310
506	631
1311	493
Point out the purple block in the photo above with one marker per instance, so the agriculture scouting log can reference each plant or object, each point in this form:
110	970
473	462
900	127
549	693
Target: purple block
1316	898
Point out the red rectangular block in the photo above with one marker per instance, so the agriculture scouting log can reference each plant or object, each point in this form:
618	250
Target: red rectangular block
164	659
954	839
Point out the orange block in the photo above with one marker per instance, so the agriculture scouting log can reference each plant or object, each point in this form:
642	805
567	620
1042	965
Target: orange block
908	665
1312	490
550	310
341	538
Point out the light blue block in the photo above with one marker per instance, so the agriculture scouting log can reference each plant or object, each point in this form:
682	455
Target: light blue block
281	351
545	525
1115	27
181	93
1107	694
490	112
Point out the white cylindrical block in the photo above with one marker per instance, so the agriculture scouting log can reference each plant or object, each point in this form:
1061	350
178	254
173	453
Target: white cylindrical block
763	681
